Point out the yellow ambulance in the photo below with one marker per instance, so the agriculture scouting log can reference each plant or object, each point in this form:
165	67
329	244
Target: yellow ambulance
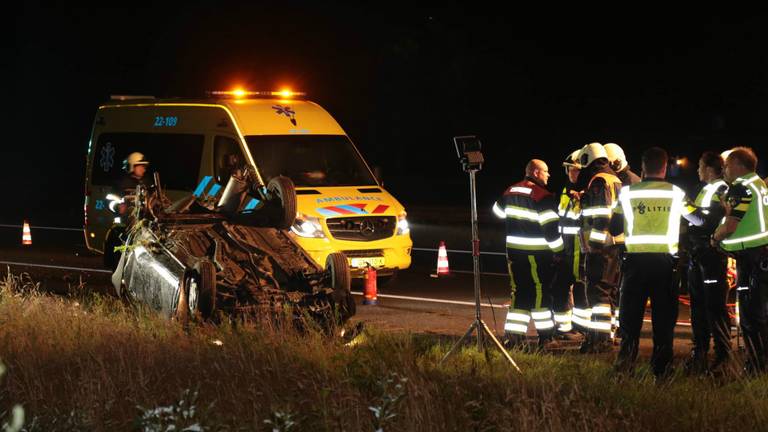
341	205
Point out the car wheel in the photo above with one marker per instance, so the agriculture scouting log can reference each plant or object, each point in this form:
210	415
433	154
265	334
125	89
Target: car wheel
205	289
338	267
282	188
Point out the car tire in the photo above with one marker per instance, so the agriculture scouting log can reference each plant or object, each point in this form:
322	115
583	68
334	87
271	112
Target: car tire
282	188
338	267
205	278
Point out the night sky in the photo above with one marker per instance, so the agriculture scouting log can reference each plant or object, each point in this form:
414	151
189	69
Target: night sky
401	81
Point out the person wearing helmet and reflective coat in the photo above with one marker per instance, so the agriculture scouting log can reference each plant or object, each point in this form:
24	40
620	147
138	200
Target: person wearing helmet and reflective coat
135	167
619	164
530	212
602	269
744	233
568	279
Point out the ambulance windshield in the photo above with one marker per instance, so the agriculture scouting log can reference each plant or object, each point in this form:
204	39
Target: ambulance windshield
310	160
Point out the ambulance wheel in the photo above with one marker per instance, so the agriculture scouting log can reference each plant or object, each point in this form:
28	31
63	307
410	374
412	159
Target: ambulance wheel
112	258
283	189
338	266
203	290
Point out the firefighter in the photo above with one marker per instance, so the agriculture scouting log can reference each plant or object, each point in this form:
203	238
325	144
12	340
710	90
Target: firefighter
568	279
744	233
620	165
135	167
532	238
601	258
649	217
707	273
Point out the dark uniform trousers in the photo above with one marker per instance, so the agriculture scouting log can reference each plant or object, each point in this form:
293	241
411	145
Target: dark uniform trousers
752	293
531	276
708	287
603	271
567	280
648	275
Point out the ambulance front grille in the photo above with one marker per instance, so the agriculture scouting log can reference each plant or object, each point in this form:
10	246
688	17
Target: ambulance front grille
362	228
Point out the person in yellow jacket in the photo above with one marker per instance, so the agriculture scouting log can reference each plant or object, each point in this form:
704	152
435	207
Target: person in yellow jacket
649	216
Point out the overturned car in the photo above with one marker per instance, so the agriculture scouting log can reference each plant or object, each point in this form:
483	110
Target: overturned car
225	251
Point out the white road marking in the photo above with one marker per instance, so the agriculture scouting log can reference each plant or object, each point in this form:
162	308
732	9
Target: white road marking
93	270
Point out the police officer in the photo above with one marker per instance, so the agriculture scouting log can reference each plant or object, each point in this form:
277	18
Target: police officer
531	217
649	216
568	280
620	165
601	189
707	272
744	233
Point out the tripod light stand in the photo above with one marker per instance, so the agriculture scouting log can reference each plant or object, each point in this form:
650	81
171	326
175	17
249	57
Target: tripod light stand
471	158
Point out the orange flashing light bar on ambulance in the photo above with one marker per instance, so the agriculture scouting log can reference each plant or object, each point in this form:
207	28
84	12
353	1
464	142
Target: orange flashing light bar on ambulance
241	93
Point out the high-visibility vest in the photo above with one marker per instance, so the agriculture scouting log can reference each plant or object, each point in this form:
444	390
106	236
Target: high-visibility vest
752	230
569	210
708	200
708	193
652	211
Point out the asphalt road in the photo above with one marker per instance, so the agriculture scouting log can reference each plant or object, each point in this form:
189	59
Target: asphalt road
414	301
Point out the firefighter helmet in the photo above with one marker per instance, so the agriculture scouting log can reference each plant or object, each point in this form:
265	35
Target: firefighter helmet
132	160
572	160
616	156
591	152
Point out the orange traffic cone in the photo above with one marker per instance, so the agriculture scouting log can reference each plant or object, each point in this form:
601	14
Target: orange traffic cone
370	292
442	261
26	234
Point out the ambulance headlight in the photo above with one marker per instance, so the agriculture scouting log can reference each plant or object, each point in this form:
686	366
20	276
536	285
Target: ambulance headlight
308	227
402	225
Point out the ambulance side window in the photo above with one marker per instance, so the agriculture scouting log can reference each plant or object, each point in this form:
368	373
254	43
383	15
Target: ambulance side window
175	156
227	158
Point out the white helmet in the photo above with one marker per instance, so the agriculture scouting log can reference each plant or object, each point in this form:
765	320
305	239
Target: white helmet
572	160
616	156
132	160
591	152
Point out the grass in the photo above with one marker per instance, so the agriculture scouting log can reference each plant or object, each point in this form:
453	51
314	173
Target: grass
91	363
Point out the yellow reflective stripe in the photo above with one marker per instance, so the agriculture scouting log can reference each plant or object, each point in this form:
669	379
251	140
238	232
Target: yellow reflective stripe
527	241
522	190
516	328
498	211
536	281
598	236
746	239
556	245
547	216
596	211
521	213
